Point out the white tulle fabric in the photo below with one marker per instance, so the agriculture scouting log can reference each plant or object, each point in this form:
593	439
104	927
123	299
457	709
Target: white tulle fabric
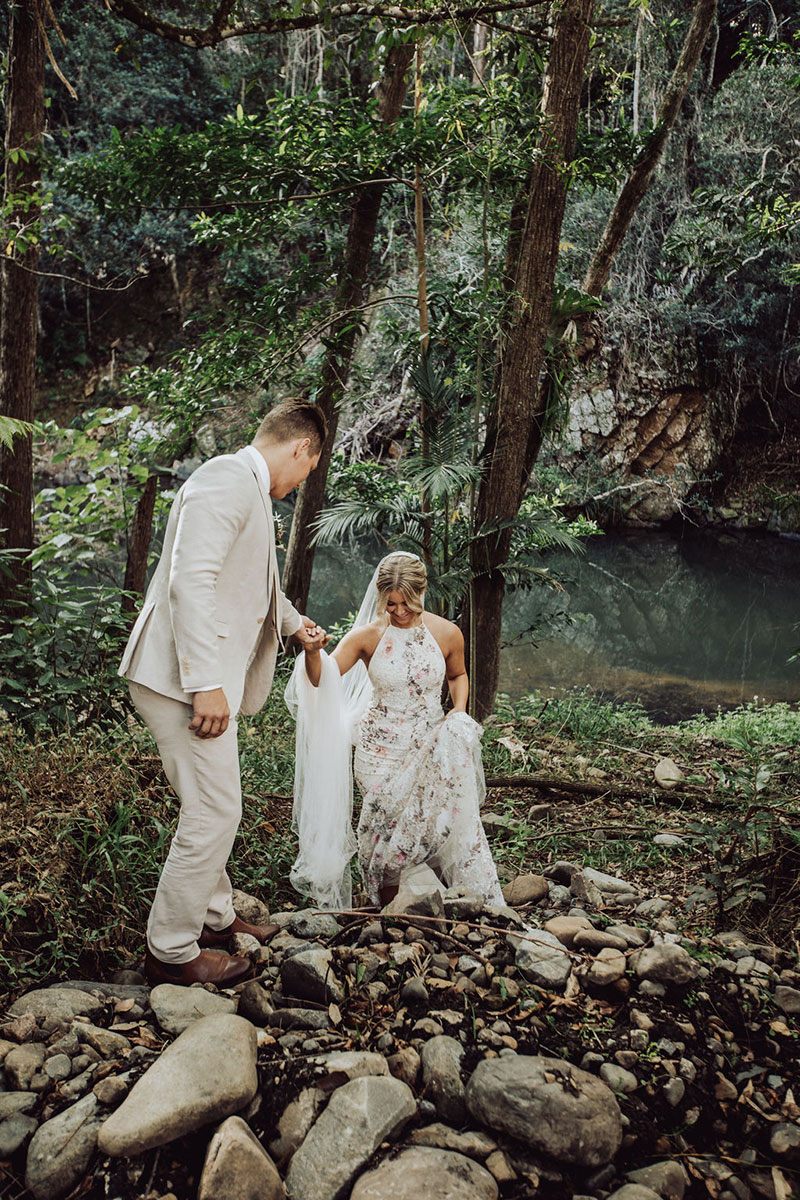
322	814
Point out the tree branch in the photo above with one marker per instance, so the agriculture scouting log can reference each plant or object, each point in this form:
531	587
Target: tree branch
218	30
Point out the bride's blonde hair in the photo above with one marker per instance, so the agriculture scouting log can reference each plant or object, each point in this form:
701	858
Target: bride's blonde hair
404	574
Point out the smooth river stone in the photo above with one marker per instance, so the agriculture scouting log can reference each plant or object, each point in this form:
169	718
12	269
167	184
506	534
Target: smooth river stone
237	1166
208	1073
360	1115
61	1150
423	1172
549	1105
51	1007
177	1008
667	964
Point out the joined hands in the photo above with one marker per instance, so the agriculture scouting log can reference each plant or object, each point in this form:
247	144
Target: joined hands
311	637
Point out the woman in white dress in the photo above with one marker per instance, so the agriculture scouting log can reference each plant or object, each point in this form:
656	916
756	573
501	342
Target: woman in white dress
418	770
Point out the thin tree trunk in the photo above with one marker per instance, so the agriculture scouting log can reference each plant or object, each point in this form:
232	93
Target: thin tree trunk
638	181
343	336
19	282
139	547
422	306
480	41
637	72
514	423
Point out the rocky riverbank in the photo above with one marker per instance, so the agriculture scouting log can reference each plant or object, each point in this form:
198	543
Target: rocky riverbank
570	1044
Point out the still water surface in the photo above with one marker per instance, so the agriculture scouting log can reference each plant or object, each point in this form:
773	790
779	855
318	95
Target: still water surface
682	623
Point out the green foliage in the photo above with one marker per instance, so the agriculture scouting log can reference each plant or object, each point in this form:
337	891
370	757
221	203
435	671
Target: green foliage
11	428
734	845
82	527
579	716
751	728
59	658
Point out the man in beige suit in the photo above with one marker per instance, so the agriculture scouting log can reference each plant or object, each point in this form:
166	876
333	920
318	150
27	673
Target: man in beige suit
202	650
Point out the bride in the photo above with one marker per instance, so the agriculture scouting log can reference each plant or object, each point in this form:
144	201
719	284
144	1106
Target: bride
419	771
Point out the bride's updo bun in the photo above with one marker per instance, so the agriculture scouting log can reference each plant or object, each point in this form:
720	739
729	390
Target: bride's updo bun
403	573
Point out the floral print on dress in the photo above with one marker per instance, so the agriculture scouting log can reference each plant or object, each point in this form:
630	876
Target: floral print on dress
420	773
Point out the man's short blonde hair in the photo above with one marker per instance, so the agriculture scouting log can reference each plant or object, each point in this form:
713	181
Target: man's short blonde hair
291	419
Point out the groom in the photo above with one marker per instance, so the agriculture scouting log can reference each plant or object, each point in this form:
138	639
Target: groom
203	649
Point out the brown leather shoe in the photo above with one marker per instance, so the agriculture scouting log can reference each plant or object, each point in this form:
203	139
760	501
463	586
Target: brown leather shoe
218	937
222	969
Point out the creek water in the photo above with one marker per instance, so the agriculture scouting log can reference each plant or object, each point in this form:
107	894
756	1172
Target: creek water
682	623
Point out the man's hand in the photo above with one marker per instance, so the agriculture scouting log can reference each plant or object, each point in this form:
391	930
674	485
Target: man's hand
311	636
211	713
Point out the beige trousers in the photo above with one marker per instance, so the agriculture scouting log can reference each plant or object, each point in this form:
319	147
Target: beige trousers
194	887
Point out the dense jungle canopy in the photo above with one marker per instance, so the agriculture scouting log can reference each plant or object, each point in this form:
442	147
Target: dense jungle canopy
537	262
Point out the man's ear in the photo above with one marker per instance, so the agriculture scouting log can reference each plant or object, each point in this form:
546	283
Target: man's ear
302	447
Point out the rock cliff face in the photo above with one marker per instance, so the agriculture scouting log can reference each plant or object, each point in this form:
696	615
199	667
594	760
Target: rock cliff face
660	429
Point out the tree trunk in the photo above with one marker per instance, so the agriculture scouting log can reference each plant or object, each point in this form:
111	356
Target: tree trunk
638	181
514	422
139	547
480	42
343	336
19	283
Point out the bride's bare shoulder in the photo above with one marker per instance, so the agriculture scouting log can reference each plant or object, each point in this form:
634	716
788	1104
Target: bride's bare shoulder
446	632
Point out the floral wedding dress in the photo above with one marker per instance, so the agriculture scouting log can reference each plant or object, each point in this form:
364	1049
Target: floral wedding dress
420	773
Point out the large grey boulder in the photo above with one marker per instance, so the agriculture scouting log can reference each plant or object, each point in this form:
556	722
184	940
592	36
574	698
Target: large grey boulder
525	889
310	923
56	1006
296	1120
250	909
441	1078
308	975
420	893
14	1102
543	960
138	992
343	1065
176	1008
667	964
607	968
360	1115
14	1132
550	1105
207	1074
237	1166
667	1178
61	1150
425	1172
609	884
784	1142
787	999
23	1063
104	1042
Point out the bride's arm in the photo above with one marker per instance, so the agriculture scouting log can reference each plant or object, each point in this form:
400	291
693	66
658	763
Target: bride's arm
350	650
457	680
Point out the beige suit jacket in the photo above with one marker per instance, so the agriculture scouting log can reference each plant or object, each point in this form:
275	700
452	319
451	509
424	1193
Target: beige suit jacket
214	611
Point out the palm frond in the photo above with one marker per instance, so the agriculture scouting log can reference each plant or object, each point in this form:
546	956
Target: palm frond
11	427
441	480
353	517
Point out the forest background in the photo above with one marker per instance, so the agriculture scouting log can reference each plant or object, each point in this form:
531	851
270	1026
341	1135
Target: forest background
539	263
